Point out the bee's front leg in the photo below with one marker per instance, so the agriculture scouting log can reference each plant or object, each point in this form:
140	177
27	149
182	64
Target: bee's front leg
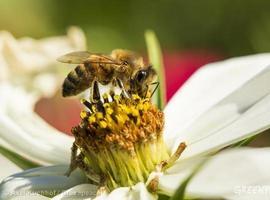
95	93
120	84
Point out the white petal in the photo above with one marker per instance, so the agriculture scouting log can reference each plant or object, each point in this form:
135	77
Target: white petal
24	132
175	175
139	191
46	83
7	167
57	46
206	88
47	181
119	193
44	148
231	174
78	192
251	122
219	122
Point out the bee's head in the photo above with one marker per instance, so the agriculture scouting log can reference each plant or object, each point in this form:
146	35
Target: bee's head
144	77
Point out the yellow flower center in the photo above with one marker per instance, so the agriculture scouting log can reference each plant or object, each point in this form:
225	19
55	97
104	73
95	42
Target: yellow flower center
121	140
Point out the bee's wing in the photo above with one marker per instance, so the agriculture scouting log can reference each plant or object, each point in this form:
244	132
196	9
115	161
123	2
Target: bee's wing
76	57
79	57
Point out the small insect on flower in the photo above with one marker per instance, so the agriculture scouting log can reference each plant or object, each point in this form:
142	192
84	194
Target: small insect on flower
123	68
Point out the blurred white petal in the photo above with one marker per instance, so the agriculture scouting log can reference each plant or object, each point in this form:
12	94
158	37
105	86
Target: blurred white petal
47	181
22	60
206	88
225	176
28	55
7	167
47	83
26	133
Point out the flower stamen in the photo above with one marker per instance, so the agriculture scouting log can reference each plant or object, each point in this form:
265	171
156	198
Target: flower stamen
153	182
166	164
120	139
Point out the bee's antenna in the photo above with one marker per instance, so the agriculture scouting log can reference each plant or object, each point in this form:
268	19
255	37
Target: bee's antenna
156	87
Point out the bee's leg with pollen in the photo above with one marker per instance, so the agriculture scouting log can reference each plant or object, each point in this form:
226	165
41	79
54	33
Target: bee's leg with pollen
72	165
121	85
102	189
87	169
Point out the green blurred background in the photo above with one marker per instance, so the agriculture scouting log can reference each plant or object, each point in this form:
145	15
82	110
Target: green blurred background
229	27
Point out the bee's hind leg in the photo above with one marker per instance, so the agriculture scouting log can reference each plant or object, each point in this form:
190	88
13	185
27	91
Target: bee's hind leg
73	163
89	172
77	161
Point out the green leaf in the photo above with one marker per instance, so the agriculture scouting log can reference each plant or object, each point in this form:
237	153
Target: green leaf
155	58
17	159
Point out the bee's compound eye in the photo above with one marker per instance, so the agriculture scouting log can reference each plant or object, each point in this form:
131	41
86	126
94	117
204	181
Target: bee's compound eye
141	75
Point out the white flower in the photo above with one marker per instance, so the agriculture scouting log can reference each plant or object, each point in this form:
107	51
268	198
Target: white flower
28	71
221	104
32	63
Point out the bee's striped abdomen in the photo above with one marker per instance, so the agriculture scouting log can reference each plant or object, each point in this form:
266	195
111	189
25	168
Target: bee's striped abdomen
77	81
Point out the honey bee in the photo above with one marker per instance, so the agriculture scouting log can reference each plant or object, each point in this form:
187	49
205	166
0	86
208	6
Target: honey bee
123	68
